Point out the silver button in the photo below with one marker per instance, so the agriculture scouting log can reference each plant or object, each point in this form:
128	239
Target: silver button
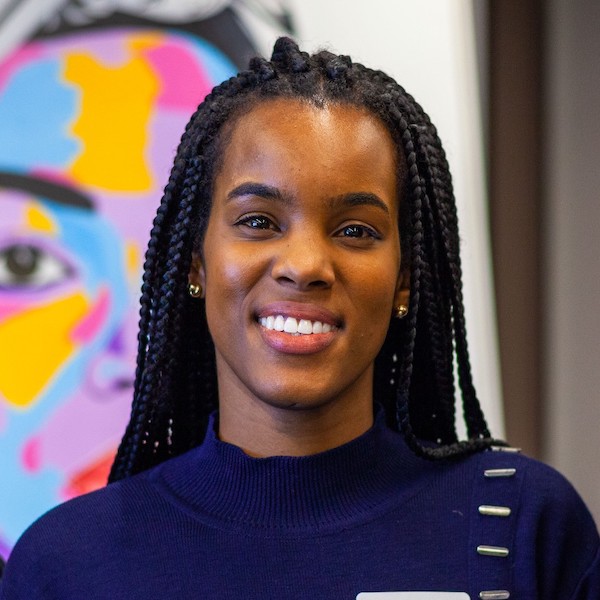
494	511
493	551
494	595
499	472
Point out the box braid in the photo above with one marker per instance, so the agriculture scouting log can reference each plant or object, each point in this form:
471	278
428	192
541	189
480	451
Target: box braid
175	385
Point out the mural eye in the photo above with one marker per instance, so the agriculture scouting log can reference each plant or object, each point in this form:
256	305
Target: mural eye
28	266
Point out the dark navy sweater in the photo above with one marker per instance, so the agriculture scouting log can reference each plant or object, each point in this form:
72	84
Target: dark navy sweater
366	517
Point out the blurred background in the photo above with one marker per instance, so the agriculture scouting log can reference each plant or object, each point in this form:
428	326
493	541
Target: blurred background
94	95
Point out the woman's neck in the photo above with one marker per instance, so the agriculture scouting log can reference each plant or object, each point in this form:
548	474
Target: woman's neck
262	430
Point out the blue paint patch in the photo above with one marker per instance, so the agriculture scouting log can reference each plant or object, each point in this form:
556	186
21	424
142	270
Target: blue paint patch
37	493
93	241
36	110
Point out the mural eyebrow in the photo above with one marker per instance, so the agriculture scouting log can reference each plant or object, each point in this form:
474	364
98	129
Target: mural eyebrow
47	190
256	189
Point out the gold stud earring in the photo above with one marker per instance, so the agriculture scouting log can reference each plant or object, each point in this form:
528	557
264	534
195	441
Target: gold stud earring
194	290
401	311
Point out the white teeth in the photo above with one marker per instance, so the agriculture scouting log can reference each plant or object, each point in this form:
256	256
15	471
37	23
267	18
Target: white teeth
294	326
305	326
291	325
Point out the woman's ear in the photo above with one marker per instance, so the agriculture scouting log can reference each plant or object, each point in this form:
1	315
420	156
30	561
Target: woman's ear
402	296
197	276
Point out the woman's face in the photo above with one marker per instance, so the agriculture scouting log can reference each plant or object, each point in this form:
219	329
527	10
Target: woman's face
303	236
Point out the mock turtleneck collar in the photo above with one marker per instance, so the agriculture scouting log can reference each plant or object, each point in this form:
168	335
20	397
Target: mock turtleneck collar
346	484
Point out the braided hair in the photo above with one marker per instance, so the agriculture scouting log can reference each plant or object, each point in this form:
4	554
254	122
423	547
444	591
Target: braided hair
175	383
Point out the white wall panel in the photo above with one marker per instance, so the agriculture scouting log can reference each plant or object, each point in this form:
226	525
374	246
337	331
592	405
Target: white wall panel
429	48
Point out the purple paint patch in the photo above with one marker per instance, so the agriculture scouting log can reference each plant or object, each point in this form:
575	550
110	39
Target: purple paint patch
116	344
82	430
166	129
109	47
4	548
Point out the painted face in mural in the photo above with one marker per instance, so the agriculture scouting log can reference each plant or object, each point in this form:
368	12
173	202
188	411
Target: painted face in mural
88	130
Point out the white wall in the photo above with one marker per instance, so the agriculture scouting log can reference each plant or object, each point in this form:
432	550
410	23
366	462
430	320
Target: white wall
429	48
572	244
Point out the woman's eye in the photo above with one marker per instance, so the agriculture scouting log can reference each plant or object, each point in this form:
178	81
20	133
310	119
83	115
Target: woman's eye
256	222
28	266
359	231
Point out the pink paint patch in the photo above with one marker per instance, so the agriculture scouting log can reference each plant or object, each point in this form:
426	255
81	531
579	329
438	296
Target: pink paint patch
89	326
8	309
9	66
54	176
184	84
30	456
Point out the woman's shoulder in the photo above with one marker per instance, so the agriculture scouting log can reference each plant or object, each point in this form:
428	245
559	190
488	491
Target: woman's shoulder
539	485
86	512
532	514
534	491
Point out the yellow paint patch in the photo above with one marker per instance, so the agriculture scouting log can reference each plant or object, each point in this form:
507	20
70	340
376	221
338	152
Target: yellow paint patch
145	41
35	345
132	259
39	220
116	106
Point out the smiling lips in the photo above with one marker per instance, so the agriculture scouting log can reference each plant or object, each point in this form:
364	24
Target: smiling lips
310	330
294	326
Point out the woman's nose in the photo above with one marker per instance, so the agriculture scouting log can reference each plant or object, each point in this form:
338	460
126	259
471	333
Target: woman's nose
304	261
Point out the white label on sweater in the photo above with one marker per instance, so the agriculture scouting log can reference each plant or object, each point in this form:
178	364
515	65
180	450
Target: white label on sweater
413	596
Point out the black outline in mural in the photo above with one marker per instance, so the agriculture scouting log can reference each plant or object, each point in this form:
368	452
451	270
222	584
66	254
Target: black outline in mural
48	190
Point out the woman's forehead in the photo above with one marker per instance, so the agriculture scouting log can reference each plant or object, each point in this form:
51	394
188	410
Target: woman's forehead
300	113
297	146
330	140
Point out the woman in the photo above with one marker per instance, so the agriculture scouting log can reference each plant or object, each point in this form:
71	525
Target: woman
309	225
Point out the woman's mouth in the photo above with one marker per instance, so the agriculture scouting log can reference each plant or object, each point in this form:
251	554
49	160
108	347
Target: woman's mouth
294	326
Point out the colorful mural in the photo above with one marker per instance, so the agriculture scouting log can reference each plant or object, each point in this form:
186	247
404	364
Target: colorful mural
89	124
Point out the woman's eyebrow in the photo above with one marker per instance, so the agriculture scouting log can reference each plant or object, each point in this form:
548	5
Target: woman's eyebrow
359	199
269	192
256	189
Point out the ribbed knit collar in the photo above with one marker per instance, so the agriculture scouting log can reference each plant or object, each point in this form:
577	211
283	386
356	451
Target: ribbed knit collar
341	486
